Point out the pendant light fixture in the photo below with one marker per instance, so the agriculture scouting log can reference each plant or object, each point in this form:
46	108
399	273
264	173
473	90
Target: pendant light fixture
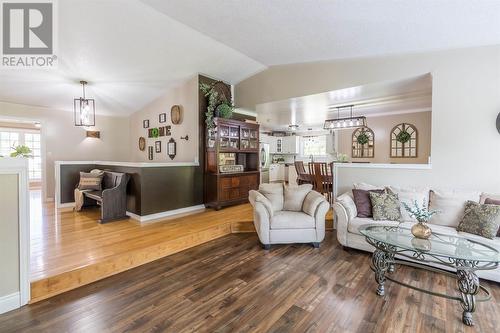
346	122
84	109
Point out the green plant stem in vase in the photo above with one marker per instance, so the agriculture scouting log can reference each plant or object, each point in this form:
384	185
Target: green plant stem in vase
422	214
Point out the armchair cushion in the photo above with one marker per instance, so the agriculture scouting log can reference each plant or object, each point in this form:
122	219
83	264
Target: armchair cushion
311	202
273	192
294	197
292	220
254	196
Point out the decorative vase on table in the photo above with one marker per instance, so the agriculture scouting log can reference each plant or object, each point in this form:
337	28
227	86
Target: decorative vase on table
421	230
422	214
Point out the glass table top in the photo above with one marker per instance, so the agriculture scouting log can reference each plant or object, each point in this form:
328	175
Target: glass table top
448	246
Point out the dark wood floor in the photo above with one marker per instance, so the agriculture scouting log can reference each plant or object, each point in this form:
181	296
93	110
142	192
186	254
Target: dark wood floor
232	285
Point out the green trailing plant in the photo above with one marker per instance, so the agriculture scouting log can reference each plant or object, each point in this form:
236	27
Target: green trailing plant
363	138
403	137
225	110
215	104
21	151
421	213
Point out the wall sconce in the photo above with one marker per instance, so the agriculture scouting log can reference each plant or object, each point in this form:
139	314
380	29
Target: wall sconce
185	138
93	134
171	148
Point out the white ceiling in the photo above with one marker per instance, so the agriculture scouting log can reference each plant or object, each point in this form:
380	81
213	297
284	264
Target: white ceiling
378	99
289	31
129	53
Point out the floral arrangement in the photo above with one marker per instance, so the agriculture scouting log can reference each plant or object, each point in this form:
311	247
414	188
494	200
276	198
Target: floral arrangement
403	137
363	138
21	151
215	105
421	213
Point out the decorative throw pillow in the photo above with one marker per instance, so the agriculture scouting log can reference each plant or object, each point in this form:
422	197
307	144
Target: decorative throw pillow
90	181
450	204
490	201
348	203
386	206
294	197
482	220
363	202
274	192
409	195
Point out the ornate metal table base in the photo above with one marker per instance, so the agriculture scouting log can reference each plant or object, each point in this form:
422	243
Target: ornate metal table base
468	283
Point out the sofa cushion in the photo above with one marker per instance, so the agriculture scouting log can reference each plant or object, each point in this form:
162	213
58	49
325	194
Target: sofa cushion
356	223
490	196
294	197
348	203
450	204
292	220
363	202
273	192
367	187
386	206
480	219
409	196
494	243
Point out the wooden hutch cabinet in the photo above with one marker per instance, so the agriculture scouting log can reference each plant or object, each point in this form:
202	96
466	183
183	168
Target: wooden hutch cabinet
230	145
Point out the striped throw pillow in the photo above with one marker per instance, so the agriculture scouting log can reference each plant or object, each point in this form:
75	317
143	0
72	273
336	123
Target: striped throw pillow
90	181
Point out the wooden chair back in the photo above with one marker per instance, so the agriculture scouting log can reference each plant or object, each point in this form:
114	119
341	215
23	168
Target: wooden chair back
302	176
322	178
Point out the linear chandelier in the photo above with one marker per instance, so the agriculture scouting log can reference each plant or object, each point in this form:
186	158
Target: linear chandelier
347	122
84	109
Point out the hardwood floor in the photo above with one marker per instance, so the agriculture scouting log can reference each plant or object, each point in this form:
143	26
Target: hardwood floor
231	285
70	249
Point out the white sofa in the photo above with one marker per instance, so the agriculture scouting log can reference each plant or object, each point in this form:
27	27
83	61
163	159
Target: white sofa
288	214
348	224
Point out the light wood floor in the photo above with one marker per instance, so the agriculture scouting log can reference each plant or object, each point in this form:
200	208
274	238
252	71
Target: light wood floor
231	285
70	249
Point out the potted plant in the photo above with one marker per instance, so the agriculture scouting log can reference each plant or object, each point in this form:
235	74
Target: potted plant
422	214
21	151
217	105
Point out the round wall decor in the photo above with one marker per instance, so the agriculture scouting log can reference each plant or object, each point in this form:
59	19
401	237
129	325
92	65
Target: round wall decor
498	123
176	114
142	143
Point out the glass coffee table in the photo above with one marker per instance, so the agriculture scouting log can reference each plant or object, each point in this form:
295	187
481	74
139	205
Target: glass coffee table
459	257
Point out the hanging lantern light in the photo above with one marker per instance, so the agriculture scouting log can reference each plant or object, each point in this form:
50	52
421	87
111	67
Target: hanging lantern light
84	109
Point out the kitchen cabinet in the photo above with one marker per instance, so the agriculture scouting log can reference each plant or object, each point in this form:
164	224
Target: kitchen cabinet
276	172
290	145
284	144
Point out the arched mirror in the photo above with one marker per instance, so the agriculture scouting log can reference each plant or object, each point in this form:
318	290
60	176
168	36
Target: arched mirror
363	143
404	141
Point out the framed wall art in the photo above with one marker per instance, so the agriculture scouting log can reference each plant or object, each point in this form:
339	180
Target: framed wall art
142	143
150	153
145	123
162	118
171	148
158	147
176	114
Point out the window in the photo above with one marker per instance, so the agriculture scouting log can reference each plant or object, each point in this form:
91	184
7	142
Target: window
314	145
32	140
10	138
7	141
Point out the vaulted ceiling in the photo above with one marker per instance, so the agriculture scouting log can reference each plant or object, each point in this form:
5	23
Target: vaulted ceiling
131	51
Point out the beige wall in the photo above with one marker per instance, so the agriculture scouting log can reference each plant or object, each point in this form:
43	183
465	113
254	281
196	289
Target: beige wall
185	95
381	127
465	103
64	141
9	234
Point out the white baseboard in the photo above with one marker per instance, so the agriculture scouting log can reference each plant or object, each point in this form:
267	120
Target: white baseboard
149	217
10	302
168	213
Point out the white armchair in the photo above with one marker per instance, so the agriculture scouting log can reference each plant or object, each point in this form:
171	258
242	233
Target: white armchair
288	214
